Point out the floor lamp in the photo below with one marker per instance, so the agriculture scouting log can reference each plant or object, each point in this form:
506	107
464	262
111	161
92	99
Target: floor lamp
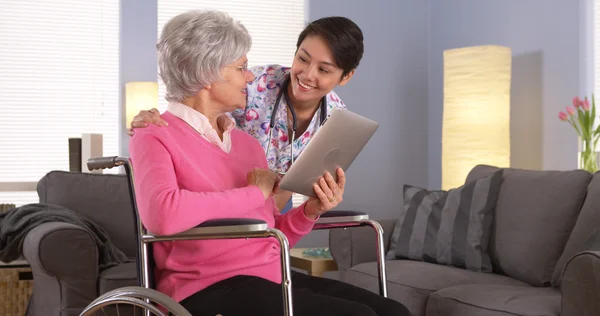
476	119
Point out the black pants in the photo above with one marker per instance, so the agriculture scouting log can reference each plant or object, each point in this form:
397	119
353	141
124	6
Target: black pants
247	295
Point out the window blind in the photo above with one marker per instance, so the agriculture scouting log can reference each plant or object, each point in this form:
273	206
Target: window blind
59	77
274	26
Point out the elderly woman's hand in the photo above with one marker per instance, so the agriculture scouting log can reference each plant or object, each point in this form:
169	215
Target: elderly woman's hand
265	180
144	118
329	192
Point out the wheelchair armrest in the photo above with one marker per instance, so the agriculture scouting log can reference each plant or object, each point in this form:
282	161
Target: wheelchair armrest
226	226
334	219
237	225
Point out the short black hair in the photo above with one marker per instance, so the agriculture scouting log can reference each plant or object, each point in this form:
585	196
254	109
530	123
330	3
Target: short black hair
345	40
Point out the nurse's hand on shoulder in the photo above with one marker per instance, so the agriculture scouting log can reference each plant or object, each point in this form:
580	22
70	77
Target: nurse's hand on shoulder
329	192
265	180
144	118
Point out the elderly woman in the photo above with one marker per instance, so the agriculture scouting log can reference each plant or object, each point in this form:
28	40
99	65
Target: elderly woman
202	168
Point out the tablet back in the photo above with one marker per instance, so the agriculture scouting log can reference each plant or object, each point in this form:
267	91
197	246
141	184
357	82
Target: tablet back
337	143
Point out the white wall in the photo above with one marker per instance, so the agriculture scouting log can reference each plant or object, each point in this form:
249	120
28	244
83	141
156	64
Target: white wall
549	56
138	50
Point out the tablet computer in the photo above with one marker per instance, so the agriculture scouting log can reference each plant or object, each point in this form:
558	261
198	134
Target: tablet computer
337	143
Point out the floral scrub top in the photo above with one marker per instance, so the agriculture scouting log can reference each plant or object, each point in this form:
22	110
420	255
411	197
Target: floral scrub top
255	119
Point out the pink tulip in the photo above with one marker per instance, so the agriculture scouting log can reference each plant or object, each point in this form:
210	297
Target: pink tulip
563	116
571	110
576	102
586	104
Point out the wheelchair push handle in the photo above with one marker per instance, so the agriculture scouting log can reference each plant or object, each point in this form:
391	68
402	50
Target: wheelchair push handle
106	162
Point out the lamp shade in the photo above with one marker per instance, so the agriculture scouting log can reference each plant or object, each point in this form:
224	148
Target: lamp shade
476	119
139	96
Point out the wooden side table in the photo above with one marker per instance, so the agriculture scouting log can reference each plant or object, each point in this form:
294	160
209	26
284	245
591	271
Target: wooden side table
315	266
18	265
16	286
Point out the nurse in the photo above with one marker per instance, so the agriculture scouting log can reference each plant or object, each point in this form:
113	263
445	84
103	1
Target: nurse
286	106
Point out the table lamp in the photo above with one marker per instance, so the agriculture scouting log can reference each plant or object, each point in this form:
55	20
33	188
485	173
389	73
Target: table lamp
142	95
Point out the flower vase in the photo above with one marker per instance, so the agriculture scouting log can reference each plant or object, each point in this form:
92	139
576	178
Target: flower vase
587	156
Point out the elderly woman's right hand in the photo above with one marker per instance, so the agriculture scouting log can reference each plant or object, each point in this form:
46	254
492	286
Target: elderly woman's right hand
144	118
265	180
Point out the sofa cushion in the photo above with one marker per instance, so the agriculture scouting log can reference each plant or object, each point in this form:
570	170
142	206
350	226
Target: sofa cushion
411	282
494	300
122	275
447	227
535	214
585	227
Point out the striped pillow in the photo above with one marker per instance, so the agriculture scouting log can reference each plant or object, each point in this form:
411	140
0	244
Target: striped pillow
447	227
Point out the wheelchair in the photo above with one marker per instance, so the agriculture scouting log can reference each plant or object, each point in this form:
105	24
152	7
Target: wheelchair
151	302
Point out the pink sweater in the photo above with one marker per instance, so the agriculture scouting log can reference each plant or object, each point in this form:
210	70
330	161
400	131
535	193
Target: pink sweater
182	180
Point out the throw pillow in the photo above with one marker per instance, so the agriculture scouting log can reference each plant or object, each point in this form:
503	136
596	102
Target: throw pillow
447	227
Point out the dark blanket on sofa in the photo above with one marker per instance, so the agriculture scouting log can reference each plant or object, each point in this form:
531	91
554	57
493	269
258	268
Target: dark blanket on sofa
16	223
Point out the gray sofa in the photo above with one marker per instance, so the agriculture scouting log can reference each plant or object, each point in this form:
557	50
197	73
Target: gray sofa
544	247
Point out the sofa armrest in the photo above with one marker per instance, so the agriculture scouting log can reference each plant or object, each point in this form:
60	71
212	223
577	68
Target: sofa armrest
352	246
580	285
64	262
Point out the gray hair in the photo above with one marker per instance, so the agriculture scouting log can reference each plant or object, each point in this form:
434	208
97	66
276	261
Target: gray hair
193	48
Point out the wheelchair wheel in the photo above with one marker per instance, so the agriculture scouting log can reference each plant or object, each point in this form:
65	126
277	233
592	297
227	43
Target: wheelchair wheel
134	300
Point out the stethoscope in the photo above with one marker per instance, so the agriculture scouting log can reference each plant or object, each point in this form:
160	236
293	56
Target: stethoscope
283	91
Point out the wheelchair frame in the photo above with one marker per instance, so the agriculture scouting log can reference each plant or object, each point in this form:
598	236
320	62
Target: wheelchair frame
229	228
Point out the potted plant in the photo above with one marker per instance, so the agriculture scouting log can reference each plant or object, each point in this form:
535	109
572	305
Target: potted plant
582	115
